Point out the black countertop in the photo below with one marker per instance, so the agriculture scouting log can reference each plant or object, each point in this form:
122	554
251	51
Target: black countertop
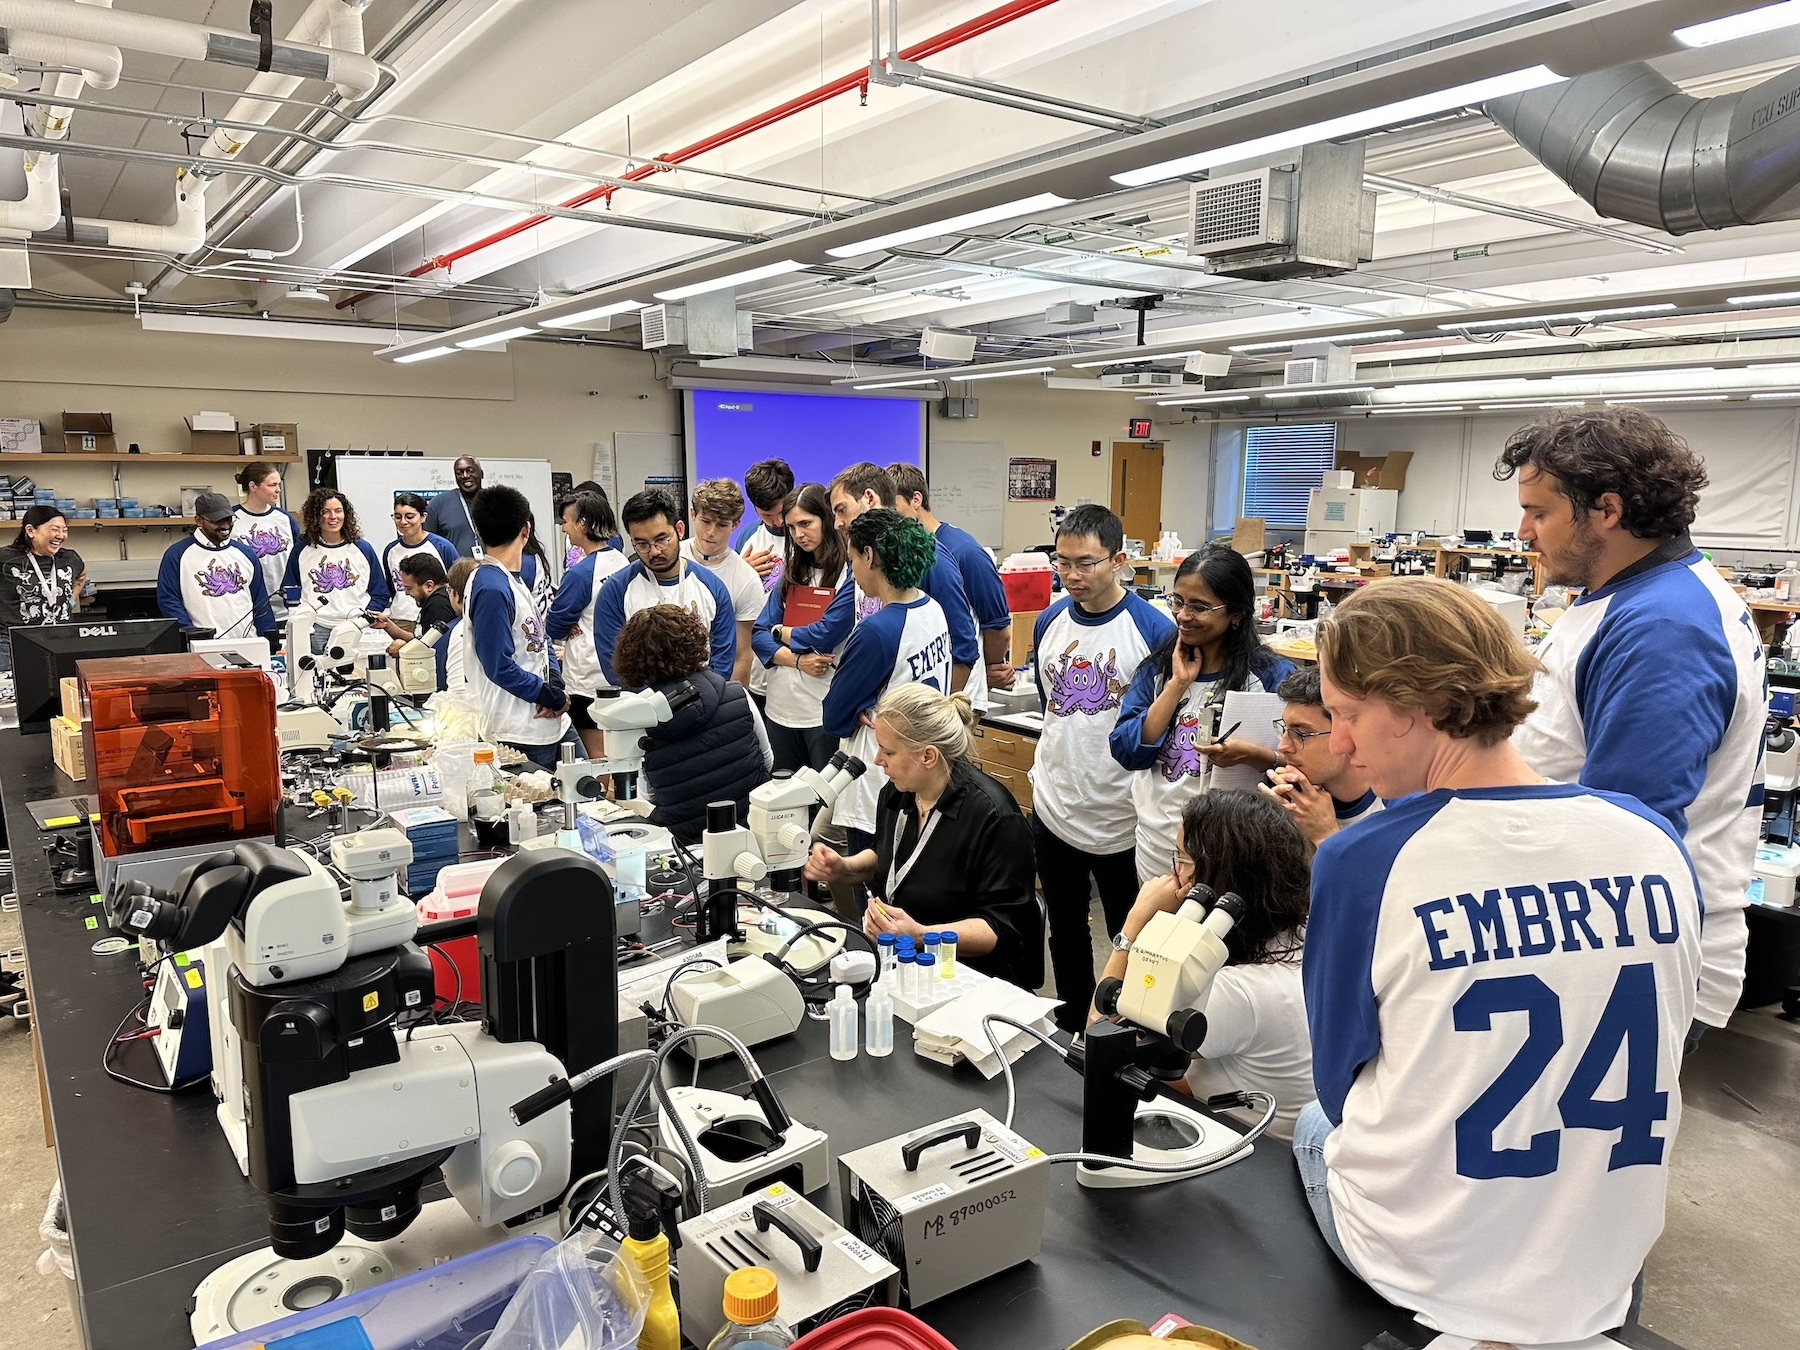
155	1201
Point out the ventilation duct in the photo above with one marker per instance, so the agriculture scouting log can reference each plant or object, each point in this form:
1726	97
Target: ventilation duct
1312	218
1635	148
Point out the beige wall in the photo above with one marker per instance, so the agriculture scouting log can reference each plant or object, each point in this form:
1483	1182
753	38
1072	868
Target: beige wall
529	402
1060	424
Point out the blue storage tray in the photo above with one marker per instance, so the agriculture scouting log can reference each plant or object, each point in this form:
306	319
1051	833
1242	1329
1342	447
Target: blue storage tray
444	1308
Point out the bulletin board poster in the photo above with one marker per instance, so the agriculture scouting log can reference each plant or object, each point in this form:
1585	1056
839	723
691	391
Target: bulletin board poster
1031	480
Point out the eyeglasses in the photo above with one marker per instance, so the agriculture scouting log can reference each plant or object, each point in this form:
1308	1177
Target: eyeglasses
1283	729
1178	607
645	545
1079	566
1178	863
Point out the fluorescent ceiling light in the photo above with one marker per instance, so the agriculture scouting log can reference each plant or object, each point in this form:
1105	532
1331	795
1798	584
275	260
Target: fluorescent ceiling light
1770	298
968	220
1790	394
1201	398
1538	403
1580	316
1324	389
364	334
495	339
1352	338
731	279
425	355
897	384
1139	360
1000	374
1422	408
1350	124
1779	368
589	315
1764	20
1675	398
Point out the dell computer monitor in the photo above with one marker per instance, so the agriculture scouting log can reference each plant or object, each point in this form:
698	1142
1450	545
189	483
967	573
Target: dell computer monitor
45	656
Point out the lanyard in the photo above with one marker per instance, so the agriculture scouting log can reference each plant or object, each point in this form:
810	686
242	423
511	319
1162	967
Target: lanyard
48	586
475	535
896	872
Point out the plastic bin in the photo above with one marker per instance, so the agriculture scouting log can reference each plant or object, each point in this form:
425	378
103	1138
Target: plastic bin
457	895
1026	577
874	1329
445	1308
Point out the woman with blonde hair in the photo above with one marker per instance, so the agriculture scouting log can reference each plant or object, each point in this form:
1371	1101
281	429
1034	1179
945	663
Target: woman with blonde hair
952	850
1499	972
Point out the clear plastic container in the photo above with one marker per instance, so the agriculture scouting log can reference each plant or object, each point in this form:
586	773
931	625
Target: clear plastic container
878	1022
1787	583
842	1009
947	955
395	789
752	1300
486	800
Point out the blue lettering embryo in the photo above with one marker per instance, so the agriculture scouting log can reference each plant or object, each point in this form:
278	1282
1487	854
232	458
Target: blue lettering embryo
1525	921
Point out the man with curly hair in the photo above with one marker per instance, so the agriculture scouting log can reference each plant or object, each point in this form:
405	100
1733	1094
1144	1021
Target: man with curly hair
1653	681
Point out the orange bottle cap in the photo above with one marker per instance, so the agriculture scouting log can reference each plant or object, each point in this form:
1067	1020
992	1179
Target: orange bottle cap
752	1295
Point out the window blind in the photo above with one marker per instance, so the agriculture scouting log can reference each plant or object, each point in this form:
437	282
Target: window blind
1281	465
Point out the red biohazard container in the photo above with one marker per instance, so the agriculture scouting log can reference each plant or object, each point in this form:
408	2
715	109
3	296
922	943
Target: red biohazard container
1026	577
874	1329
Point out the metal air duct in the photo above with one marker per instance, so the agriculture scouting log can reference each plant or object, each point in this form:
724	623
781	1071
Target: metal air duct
1635	148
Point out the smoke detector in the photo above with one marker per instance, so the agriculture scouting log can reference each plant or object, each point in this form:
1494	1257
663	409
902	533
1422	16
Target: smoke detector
136	289
312	293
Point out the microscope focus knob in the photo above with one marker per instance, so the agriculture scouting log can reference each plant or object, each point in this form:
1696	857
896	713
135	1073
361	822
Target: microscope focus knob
749	866
1187	1028
1106	996
514	1169
792	837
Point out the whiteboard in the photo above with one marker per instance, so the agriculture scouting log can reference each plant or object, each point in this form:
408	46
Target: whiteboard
968	487
370	482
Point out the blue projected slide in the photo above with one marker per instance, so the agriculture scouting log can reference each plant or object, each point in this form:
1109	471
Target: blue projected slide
817	434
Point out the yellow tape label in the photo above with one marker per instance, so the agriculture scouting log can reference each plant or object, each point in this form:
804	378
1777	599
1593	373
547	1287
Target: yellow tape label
193	979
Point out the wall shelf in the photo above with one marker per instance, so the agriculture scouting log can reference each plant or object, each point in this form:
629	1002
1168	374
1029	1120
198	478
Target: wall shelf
52	456
144	522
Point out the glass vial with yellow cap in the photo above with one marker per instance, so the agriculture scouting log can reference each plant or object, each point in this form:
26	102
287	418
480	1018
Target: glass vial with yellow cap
752	1298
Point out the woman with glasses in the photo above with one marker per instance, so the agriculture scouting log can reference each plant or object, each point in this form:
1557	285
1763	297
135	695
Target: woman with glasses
1168	728
1256	1035
410	537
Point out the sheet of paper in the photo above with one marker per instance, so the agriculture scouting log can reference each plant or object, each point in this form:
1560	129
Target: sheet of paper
1253	714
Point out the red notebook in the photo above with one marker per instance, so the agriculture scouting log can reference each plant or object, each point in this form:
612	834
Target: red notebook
806	604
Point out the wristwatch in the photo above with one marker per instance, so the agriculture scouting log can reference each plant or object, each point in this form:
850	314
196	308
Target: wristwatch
1121	943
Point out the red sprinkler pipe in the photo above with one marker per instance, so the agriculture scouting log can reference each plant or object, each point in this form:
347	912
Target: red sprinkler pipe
857	80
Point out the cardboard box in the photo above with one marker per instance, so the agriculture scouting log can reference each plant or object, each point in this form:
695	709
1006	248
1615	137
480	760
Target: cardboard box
1250	534
276	438
65	747
21	436
213	433
1377	471
87	434
71	697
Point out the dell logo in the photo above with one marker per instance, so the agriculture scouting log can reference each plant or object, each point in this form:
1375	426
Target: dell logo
99	632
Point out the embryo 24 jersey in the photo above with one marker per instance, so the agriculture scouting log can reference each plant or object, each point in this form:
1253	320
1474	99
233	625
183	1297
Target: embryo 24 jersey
1498	982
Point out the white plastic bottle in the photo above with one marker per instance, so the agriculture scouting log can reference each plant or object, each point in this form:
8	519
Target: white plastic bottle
878	1027
843	1024
1787	584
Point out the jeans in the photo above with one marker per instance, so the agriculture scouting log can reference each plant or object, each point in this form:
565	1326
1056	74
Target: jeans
1063	874
1696	1029
1310	1133
544	757
800	747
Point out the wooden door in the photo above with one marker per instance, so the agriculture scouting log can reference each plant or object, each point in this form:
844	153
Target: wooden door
1137	471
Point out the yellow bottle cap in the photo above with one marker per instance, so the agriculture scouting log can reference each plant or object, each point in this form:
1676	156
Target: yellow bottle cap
752	1295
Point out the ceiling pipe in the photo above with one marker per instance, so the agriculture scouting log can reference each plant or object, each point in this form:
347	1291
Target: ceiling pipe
352	73
40	208
184	236
337	23
1635	148
100	64
857	80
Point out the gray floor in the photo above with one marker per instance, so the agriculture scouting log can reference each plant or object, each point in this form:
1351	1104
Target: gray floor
1722	1278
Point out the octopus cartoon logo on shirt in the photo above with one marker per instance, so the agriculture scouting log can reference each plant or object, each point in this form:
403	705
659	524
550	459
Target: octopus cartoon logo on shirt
1179	758
332	576
216	579
534	633
265	543
1081	685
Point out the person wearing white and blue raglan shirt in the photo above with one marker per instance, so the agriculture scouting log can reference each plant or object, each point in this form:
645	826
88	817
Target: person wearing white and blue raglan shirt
1654	682
333	572
1171	714
210	580
906	641
1498	975
512	665
1087	648
864	487
410	537
587	523
980	577
269	532
661	576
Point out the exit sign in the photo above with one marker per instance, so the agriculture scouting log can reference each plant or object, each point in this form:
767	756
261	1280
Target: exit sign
1138	429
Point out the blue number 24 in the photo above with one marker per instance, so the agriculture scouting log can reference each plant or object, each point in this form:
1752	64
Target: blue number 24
1629	1021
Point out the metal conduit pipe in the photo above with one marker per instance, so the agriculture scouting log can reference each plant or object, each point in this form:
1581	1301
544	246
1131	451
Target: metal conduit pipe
337	23
353	73
1635	148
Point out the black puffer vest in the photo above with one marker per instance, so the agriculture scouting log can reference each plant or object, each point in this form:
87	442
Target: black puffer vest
708	752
